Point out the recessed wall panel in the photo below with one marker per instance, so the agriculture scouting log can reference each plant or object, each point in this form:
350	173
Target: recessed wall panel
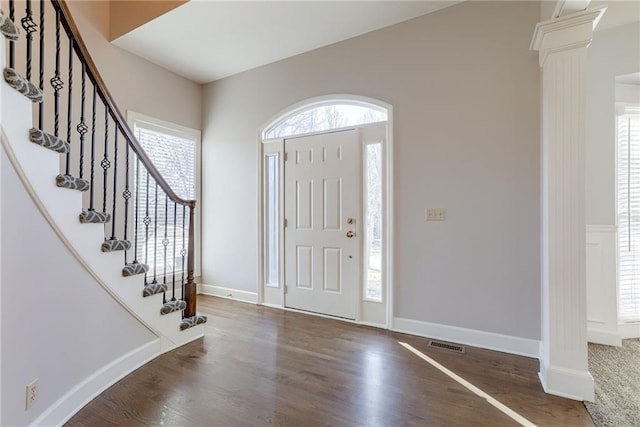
332	261
304	267
304	204
332	203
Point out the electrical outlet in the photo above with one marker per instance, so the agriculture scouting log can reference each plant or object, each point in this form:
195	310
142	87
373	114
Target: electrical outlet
32	394
435	214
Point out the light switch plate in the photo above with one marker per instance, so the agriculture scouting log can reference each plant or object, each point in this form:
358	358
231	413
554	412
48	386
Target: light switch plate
435	214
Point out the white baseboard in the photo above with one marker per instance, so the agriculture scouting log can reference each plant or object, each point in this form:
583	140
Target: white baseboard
234	294
602	336
472	337
76	398
629	330
568	383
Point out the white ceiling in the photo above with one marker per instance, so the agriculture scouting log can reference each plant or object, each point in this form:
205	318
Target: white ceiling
208	40
618	13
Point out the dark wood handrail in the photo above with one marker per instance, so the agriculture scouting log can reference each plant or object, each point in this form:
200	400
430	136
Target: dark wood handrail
92	71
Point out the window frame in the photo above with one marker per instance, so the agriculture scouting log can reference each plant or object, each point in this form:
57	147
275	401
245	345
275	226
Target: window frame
134	120
319	104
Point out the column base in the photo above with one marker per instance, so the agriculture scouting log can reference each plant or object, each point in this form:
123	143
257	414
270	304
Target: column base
569	383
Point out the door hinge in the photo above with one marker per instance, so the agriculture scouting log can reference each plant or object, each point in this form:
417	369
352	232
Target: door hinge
285	156
285	223
286	289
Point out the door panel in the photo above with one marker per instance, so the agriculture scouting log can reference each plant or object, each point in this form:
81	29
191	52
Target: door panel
321	192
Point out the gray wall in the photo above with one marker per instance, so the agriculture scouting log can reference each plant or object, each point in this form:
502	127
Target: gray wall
465	92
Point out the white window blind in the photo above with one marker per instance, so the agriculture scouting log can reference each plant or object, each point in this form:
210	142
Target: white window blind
174	155
628	211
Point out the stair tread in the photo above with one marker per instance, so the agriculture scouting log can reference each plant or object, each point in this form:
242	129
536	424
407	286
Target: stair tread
134	268
49	141
72	183
94	217
153	289
190	322
112	245
171	306
22	85
8	28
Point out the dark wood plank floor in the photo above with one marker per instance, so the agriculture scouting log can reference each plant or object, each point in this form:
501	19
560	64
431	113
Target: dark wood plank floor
258	366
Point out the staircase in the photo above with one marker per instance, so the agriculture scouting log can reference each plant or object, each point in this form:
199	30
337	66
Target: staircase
82	165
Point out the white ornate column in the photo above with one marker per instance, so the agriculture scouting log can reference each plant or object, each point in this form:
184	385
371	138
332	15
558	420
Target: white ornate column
562	44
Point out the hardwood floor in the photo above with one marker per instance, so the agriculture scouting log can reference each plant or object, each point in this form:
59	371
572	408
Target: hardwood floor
258	366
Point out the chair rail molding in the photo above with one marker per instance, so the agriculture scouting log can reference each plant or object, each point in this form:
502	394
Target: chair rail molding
562	45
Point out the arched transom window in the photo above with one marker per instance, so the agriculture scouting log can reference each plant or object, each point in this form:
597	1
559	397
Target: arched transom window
325	116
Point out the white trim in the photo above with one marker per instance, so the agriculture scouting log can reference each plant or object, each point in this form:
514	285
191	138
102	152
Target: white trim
180	131
565	33
89	388
228	293
488	340
568	383
601	336
629	330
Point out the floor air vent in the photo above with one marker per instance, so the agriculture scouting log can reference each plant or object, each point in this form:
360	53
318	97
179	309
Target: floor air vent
446	346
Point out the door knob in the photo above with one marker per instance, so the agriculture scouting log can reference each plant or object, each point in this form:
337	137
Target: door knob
350	234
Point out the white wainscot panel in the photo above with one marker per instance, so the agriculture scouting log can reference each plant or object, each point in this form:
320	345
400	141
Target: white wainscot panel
602	311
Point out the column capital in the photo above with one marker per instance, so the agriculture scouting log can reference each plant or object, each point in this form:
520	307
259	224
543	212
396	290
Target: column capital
565	33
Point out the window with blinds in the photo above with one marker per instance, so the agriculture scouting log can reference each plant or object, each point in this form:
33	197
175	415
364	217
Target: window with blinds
628	211
163	237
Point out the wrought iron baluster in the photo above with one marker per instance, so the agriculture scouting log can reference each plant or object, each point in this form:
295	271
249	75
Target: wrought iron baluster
12	46
165	242
155	235
183	251
69	105
147	222
115	183
82	127
41	80
29	27
173	258
93	148
105	163
135	214
126	195
56	81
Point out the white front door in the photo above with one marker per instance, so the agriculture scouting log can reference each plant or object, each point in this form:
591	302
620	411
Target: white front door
322	204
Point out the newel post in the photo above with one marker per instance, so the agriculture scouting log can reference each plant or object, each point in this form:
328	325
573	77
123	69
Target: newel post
562	45
190	287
